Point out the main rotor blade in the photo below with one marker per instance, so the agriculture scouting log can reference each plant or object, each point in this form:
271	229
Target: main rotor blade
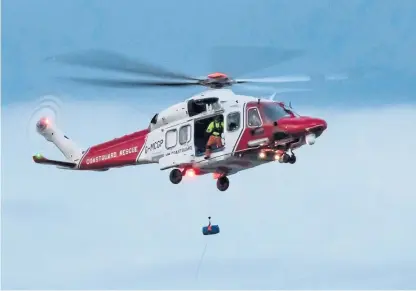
281	79
106	60
128	83
239	60
274	89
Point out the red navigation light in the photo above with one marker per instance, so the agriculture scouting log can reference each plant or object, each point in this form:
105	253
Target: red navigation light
43	123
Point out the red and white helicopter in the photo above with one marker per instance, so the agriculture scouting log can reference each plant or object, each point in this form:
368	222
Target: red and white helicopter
256	130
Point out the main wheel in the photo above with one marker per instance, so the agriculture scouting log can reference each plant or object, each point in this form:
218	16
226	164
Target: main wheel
284	158
175	176
223	183
292	159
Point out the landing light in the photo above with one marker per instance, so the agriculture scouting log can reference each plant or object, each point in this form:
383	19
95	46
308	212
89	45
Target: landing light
190	173
278	155
262	155
310	139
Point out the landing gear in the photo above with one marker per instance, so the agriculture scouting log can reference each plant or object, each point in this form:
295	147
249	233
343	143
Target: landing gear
223	183
284	158
287	158
175	176
292	158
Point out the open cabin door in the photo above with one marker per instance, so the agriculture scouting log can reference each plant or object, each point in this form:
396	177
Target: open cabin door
201	137
209	108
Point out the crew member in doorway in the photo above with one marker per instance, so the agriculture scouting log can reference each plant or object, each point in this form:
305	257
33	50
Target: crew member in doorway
215	129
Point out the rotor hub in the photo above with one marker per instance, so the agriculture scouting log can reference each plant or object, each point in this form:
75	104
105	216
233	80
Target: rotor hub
217	75
217	81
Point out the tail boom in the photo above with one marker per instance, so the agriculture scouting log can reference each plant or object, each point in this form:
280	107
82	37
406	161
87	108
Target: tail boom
119	152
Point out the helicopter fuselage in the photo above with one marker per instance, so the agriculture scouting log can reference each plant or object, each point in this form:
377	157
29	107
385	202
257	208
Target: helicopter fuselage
256	131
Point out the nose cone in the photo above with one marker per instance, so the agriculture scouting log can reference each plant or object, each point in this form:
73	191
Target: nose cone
300	125
321	123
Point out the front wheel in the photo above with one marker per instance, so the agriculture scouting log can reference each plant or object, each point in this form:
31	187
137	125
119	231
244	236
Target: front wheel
223	183
292	159
284	158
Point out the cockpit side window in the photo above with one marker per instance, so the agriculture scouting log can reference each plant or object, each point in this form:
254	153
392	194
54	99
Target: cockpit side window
253	117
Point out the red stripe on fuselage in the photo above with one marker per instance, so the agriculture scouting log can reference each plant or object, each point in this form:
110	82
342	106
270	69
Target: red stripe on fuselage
118	152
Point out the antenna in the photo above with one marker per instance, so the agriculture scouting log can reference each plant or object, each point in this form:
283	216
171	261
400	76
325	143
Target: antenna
272	96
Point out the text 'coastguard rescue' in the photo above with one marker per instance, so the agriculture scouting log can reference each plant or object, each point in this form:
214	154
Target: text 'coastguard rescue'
112	155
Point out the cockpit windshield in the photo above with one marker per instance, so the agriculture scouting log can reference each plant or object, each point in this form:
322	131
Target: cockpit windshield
274	111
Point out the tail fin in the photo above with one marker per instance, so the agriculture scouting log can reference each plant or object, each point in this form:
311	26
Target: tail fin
51	133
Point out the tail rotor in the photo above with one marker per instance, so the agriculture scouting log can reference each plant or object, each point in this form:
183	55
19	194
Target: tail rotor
47	109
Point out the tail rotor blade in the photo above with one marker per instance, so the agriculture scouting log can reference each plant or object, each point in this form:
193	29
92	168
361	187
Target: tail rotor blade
239	60
273	89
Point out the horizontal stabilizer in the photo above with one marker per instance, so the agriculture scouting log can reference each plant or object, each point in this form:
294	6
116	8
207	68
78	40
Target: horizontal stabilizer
39	159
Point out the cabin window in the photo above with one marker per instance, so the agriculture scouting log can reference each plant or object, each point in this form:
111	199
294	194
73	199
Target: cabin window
253	117
184	134
171	138
233	121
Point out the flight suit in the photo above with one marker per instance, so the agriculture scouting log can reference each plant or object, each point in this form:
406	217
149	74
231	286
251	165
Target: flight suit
215	128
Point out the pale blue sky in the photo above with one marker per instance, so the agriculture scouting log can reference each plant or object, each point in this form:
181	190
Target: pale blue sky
352	227
180	34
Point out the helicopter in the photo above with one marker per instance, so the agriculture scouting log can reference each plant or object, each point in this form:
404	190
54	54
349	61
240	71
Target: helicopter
256	130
